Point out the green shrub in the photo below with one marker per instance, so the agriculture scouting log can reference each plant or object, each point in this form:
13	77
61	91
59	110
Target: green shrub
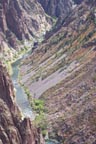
41	122
38	105
40	119
27	93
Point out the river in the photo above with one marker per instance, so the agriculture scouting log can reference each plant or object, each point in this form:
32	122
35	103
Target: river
21	97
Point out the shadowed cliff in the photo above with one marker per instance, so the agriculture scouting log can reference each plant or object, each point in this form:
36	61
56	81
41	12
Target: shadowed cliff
14	130
20	21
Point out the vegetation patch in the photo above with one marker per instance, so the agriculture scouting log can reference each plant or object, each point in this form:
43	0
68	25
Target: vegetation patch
40	120
38	106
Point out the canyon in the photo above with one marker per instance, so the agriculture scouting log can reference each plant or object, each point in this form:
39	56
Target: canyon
61	73
58	76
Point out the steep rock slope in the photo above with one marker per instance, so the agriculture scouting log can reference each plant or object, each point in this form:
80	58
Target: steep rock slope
14	130
56	8
19	21
62	72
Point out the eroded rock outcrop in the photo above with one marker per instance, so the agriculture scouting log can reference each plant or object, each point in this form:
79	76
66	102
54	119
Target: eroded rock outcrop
23	18
14	130
20	21
59	8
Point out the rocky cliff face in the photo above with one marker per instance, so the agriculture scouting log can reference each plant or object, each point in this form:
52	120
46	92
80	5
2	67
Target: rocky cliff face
14	130
19	21
61	72
57	8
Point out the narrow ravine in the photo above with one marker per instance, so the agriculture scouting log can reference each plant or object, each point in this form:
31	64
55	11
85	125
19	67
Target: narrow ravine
21	97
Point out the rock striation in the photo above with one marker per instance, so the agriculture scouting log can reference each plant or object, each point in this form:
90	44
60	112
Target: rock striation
14	130
63	75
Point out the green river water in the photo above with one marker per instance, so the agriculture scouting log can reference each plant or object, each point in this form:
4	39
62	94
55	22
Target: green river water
21	97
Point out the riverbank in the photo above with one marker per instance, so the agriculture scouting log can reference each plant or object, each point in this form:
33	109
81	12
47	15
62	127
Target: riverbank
26	48
21	97
24	103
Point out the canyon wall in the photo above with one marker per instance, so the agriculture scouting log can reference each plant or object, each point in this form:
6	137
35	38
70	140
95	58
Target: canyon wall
20	21
56	8
14	129
62	73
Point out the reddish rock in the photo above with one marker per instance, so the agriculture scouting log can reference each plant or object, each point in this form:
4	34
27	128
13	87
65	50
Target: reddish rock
22	19
13	130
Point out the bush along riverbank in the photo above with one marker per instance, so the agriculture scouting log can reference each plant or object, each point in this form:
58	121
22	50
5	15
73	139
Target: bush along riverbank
40	121
39	110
